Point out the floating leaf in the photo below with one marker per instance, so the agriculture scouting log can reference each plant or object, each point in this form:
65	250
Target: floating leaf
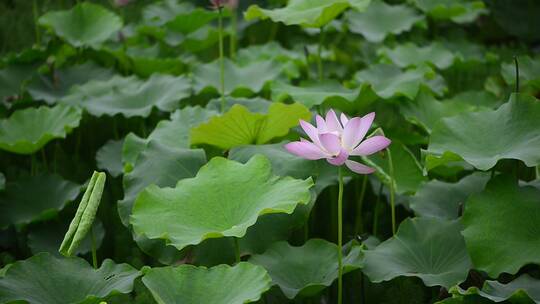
521	290
109	157
86	213
85	24
51	88
28	130
239	80
444	200
381	19
429	248
409	54
223	284
313	93
483	138
47	237
500	226
390	81
187	213
240	127
460	11
35	198
305	270
46	279
408	174
307	13
130	96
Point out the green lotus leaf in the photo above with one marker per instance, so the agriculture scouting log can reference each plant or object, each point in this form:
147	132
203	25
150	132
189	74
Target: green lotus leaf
409	54
190	21
313	93
426	111
194	209
130	96
483	138
240	127
223	284
307	13
238	79
109	157
428	248
51	88
305	270
83	220
161	12
85	24
529	73
46	279
389	81
408	174
12	79
524	289
26	131
381	20
160	165
459	11
48	236
255	105
291	61
506	13
35	198
500	225
474	299
444	200
173	133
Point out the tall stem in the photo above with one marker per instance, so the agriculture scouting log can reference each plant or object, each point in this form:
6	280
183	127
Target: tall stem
376	211
358	224
234	29
392	191
319	51
221	61
94	253
236	250
36	16
340	236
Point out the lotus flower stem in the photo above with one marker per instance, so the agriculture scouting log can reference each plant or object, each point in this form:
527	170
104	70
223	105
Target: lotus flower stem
234	29
44	158
319	51
221	60
392	191
358	229
36	16
376	211
340	235
94	252
516	63
236	250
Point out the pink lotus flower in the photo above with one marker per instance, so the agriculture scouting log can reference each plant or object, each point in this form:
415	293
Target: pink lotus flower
336	140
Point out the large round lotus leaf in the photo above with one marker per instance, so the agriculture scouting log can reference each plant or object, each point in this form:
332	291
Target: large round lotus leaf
429	248
28	130
85	24
473	299
161	12
190	21
501	226
109	157
249	78
224	199
483	138
390	81
529	73
255	105
51	88
47	237
444	200
409	54
313	93
35	198
460	11
381	19
524	289
13	77
173	133
408	174
241	127
307	13
305	270
130	96
160	165
46	279
223	284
